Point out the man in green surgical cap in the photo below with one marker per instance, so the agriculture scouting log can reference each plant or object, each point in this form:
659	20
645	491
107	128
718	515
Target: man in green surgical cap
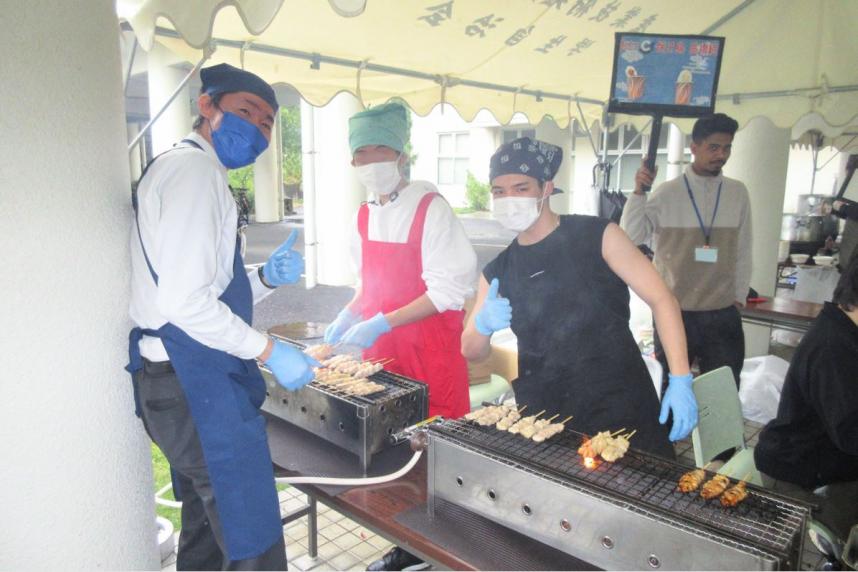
416	268
415	263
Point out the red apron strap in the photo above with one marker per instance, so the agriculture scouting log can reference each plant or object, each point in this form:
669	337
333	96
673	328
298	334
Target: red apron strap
363	221
415	235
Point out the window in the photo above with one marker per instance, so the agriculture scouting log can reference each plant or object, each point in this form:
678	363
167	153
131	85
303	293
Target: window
623	173
453	157
512	134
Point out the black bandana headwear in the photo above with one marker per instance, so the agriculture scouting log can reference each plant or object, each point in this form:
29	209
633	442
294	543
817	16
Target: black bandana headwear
526	156
224	78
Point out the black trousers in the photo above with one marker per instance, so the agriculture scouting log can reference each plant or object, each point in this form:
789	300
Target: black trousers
168	422
715	338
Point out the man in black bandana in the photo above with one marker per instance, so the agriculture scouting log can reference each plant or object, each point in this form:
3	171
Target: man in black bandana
562	286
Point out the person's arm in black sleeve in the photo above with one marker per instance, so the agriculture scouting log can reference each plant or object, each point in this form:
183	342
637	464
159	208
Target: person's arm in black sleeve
834	392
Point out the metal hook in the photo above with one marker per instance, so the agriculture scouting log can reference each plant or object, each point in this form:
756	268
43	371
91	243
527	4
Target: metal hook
244	48
361	67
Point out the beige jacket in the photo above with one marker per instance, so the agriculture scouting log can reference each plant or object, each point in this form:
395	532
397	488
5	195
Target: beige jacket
667	217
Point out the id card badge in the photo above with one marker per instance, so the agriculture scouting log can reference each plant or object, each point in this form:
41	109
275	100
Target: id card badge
706	254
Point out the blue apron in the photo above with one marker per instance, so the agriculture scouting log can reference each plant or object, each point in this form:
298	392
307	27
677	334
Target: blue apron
224	394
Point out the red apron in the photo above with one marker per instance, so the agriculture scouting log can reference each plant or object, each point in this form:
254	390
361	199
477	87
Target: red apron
427	350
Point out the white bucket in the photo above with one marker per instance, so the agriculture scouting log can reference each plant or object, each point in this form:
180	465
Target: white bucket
166	541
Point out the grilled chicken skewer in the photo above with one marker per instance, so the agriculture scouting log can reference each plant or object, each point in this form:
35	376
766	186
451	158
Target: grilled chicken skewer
319	352
524	422
714	487
691	481
529	431
510	418
735	494
550	431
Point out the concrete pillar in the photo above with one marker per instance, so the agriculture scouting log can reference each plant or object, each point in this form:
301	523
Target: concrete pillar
268	179
675	152
176	121
337	190
76	475
759	159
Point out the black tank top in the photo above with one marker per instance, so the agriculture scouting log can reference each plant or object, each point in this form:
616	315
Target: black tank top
576	355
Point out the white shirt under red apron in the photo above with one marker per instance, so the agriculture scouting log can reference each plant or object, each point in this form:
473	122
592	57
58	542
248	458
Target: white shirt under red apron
408	247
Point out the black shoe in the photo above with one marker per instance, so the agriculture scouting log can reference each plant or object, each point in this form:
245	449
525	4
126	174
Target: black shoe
398	559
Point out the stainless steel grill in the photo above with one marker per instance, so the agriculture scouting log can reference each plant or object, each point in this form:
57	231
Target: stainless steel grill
545	491
362	425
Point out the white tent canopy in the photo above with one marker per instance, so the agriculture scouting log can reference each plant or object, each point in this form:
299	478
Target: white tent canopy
784	59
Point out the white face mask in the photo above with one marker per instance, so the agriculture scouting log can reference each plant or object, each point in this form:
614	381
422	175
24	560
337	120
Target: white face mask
379	178
516	213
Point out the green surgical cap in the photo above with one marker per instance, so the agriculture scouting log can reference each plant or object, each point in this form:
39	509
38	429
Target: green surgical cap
380	125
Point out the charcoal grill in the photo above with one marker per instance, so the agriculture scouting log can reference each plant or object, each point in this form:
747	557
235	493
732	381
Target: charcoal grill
622	515
362	425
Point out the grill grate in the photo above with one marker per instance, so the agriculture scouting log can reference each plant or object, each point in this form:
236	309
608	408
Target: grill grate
642	481
396	386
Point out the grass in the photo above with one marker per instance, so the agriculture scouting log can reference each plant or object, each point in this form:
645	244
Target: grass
161	468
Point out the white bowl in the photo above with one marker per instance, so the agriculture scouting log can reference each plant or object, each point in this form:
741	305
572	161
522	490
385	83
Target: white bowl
799	258
823	260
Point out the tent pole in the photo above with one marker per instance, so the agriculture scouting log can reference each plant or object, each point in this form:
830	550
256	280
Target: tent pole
726	17
130	64
319	59
206	55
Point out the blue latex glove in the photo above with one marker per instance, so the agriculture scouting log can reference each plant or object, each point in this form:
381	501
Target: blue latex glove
285	265
496	313
341	324
679	399
364	334
292	367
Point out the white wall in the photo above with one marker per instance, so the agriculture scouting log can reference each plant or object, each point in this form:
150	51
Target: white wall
424	143
76	475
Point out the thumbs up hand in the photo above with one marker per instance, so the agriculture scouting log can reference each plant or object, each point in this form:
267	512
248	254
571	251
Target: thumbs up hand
285	265
496	313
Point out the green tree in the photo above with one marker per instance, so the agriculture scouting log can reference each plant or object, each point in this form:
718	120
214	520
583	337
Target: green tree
290	122
476	193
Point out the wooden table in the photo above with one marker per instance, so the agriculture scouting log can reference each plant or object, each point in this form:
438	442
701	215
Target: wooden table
781	313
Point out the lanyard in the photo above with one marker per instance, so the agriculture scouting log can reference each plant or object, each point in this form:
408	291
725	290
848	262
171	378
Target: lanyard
706	233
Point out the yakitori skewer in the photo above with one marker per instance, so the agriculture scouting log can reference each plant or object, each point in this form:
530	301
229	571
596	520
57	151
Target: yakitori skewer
714	487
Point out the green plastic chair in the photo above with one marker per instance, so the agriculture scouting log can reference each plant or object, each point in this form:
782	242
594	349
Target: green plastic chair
720	425
488	392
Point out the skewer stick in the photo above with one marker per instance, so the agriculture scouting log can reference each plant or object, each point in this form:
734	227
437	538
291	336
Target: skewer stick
538	414
630	435
522	409
555	416
746	477
565	421
617	432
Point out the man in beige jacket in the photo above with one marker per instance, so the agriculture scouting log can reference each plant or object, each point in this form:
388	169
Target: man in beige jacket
700	228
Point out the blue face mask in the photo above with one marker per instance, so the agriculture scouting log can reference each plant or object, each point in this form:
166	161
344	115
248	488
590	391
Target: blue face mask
237	142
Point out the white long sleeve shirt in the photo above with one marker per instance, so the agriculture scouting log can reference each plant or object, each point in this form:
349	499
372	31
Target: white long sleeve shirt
188	221
667	217
449	260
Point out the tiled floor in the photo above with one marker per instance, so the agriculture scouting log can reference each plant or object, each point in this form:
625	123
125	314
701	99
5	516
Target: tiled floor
345	545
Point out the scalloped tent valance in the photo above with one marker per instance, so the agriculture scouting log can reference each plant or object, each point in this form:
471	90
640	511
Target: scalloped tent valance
784	59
